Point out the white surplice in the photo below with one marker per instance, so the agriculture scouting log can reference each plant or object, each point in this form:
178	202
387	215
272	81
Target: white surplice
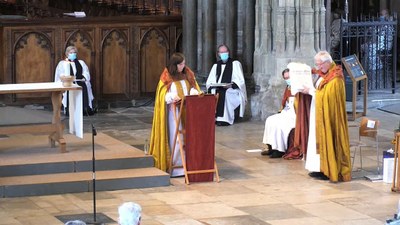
278	127
76	113
63	68
233	97
169	99
312	158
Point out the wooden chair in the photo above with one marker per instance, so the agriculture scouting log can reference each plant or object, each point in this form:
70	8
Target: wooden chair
367	130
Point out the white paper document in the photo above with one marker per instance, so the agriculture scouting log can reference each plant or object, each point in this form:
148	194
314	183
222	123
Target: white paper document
371	124
220	84
300	77
253	150
76	14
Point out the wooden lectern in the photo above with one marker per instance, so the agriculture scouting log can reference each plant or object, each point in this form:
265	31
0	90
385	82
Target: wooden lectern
198	148
357	74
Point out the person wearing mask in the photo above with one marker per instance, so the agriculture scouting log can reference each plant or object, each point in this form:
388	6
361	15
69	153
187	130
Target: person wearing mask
176	81
71	66
278	126
130	213
232	95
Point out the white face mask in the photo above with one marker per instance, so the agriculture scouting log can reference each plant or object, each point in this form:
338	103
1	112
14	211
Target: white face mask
287	82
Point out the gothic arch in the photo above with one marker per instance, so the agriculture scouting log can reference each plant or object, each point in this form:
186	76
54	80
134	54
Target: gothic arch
30	50
114	67
154	42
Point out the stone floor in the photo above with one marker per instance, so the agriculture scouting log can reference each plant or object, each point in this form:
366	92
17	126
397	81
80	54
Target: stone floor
254	189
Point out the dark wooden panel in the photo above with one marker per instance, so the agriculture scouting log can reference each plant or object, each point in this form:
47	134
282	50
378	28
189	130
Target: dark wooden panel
125	55
115	75
153	55
31	52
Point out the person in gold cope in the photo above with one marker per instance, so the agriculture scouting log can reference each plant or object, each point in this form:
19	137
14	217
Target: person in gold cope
328	155
176	81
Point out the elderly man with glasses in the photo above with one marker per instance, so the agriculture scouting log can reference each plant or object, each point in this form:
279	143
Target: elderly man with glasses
328	152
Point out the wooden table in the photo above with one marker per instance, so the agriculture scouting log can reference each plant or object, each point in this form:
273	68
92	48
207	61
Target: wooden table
55	128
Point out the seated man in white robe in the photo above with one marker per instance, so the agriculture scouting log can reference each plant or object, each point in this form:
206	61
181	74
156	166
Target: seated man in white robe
226	79
278	126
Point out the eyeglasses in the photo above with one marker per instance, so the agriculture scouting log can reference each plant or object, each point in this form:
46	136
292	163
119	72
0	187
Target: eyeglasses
319	64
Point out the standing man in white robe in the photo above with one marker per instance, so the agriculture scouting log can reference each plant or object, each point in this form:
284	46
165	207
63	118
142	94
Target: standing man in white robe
71	66
232	94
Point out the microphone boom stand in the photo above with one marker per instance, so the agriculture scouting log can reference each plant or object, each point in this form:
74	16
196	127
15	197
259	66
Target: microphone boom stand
94	133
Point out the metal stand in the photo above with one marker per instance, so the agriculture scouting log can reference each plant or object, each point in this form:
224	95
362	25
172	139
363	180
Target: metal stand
88	218
94	133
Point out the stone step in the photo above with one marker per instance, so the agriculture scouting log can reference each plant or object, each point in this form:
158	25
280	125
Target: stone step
115	162
48	184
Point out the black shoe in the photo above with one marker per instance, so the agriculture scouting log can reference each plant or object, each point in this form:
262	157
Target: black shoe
221	123
90	112
314	174
318	175
276	154
177	176
267	152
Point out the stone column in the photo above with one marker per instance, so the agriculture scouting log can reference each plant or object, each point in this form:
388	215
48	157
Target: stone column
317	32
189	20
248	37
208	49
286	31
291	17
263	67
230	20
328	21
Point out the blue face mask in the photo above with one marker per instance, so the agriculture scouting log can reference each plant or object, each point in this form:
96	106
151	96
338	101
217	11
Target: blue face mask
288	82
224	56
72	56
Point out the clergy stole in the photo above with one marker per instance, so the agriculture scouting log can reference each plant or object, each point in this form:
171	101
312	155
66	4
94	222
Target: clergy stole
79	76
200	136
226	78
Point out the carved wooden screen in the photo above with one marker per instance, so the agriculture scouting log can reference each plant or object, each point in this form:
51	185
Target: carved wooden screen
32	53
125	55
114	66
153	59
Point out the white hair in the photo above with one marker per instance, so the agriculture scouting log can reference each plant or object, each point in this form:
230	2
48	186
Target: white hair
69	48
75	222
129	213
323	56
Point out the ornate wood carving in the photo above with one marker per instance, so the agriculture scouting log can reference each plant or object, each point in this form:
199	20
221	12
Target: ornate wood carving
125	55
115	71
154	43
30	51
